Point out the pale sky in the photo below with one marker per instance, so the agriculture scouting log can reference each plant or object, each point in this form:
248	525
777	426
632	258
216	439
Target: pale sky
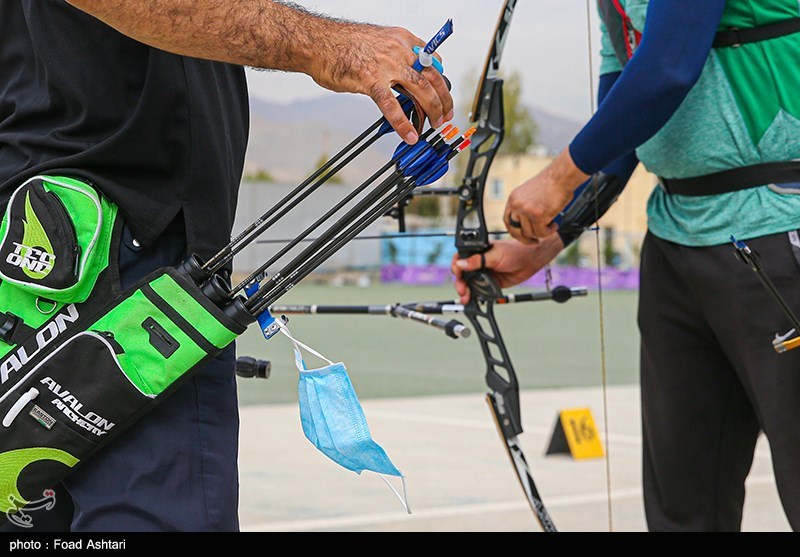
548	45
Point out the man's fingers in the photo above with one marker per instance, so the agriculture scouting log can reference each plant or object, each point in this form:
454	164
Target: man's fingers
516	234
440	86
521	230
513	226
391	109
463	291
461	287
529	230
540	232
437	81
422	90
552	229
511	221
474	263
428	87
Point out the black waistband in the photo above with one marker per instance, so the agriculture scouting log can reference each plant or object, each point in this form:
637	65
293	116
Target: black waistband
737	37
735	180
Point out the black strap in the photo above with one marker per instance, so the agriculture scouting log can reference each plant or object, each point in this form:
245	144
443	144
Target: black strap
178	319
616	30
735	180
13	330
736	37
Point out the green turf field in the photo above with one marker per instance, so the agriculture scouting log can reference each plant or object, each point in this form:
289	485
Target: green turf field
551	345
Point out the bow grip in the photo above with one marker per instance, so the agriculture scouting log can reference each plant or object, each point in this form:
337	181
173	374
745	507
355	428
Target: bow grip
483	285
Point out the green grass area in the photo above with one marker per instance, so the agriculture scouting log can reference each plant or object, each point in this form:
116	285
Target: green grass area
551	345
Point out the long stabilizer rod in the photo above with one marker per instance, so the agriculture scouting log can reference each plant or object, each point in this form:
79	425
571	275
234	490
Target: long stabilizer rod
453	329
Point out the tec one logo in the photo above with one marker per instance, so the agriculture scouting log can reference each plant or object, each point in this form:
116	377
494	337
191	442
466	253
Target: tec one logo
32	261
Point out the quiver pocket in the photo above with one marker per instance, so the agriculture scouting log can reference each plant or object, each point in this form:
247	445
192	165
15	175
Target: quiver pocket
55	238
58	239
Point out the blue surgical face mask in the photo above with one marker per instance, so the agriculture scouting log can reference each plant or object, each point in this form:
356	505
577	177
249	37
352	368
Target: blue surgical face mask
334	422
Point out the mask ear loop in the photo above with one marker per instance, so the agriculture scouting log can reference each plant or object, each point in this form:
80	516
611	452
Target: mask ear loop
301	365
402	498
298	345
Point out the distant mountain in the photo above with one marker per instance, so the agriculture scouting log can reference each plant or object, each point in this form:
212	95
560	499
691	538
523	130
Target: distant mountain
350	114
288	140
555	132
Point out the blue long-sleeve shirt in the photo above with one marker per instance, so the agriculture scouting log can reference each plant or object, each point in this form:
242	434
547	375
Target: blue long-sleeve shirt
637	102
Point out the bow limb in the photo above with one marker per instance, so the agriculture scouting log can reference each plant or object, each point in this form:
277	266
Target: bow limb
504	400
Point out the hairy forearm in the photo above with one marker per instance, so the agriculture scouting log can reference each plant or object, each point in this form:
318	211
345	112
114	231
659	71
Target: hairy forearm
339	55
564	171
258	33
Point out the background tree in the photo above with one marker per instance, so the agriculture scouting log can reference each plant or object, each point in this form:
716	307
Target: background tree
392	252
521	129
426	207
571	257
522	132
258	175
333	180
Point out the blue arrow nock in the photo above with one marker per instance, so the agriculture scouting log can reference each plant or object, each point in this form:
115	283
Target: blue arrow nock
411	160
427	166
269	324
747	255
741	246
742	250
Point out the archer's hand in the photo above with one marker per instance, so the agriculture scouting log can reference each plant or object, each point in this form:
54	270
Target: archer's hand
371	60
510	262
534	205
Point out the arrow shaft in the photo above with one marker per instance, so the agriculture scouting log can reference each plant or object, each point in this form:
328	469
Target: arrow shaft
342	232
385	237
327	216
313	182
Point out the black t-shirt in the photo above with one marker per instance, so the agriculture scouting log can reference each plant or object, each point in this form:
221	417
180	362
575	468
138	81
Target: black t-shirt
159	134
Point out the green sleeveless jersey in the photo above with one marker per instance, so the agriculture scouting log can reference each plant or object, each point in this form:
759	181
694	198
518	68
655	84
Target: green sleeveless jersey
744	110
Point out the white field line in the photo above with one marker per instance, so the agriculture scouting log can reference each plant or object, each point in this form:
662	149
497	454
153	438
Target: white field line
376	519
485	425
